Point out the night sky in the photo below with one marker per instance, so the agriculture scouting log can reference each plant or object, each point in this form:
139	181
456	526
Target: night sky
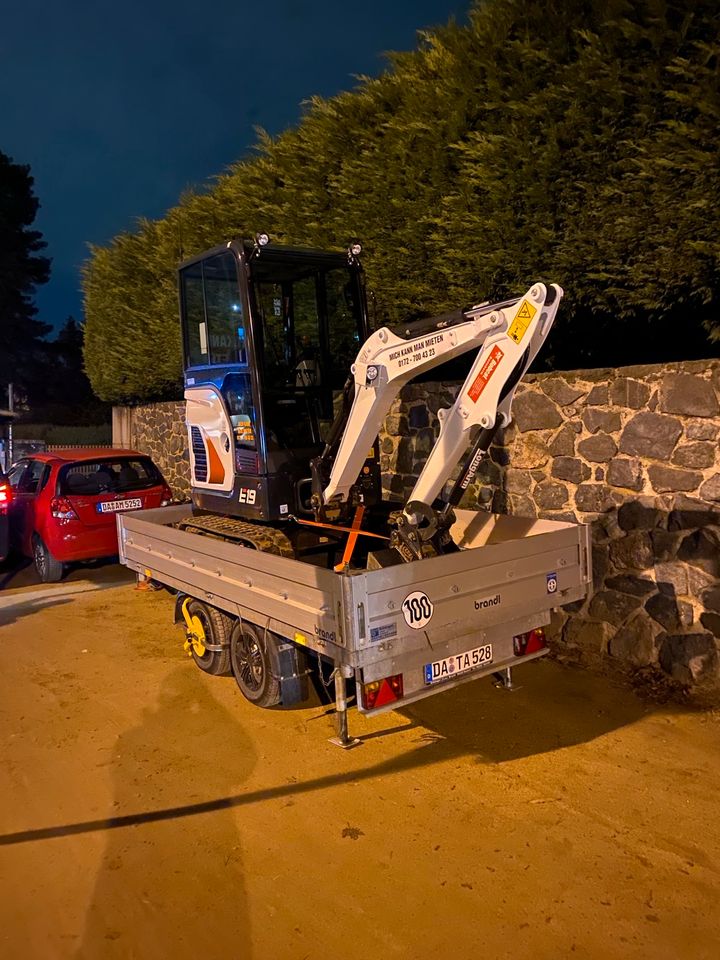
119	107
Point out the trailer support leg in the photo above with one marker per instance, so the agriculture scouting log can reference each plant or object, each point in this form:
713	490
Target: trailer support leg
503	679
342	739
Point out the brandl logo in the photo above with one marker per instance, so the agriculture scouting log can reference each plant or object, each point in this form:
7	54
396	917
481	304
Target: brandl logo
488	602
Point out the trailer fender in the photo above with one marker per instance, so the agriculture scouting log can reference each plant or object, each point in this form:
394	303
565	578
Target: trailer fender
289	666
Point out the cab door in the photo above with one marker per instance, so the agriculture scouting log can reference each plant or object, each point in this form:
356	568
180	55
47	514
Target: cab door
214	342
210	439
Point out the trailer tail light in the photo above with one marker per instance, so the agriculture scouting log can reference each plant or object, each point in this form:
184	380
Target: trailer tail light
529	642
381	692
5	495
62	509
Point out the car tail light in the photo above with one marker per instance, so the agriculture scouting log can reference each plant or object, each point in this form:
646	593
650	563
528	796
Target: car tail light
62	509
380	692
529	642
5	494
165	496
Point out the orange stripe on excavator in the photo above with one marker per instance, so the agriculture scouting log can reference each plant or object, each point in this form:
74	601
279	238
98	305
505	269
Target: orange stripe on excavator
217	470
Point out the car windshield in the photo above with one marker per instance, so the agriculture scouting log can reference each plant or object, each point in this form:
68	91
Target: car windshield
119	475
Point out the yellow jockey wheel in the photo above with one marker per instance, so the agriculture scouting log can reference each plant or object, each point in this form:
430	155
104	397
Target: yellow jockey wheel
207	636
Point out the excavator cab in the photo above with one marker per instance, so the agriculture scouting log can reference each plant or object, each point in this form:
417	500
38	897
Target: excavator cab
269	336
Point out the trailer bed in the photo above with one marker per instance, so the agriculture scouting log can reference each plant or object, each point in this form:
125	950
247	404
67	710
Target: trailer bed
448	611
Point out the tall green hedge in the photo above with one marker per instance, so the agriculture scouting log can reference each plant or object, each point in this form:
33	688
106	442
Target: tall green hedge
573	141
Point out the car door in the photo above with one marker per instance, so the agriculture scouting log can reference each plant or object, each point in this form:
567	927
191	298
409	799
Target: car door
26	478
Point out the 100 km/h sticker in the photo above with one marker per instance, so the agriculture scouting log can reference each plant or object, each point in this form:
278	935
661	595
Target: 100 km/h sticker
417	609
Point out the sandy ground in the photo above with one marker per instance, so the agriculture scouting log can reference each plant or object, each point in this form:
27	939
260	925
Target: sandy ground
148	811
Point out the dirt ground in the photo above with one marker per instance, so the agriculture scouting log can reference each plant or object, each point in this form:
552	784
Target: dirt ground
148	811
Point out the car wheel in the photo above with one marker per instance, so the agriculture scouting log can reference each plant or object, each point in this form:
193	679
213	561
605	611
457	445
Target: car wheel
212	626
49	569
252	667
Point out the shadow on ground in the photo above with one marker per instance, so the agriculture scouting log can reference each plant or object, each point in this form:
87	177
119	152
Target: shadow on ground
25	608
159	887
553	708
19	572
11	568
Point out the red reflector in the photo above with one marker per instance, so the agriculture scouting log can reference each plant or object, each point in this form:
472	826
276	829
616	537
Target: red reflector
62	509
530	642
381	692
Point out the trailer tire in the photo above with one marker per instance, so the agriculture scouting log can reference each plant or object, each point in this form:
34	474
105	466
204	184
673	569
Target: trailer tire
252	665
217	627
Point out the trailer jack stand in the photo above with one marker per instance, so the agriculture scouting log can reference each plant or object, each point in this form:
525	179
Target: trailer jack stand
502	679
341	721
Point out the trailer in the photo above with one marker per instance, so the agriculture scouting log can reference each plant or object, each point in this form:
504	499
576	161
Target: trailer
403	632
286	391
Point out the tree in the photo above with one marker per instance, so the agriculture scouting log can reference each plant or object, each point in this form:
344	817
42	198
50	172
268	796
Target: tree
62	394
22	269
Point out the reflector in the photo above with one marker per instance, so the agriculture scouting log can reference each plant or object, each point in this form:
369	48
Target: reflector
378	693
529	642
62	509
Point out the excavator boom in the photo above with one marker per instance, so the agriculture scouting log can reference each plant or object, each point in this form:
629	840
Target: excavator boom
507	335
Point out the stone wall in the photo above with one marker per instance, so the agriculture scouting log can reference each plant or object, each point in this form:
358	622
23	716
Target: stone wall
158	429
632	451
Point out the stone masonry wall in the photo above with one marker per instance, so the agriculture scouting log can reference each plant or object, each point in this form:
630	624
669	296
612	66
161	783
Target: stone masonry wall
632	451
158	429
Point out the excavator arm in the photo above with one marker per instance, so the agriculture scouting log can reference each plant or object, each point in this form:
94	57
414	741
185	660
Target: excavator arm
508	334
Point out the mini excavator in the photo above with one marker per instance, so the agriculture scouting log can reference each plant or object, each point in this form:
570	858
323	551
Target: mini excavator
287	390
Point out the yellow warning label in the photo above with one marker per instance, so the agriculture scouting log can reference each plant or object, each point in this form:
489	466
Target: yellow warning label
519	326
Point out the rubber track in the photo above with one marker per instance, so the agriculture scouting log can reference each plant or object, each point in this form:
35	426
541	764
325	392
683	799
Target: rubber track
232	530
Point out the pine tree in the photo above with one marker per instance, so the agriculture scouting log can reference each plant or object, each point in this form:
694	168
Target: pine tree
22	269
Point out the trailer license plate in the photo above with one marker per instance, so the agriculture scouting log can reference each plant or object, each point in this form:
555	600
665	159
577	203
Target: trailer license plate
460	663
113	506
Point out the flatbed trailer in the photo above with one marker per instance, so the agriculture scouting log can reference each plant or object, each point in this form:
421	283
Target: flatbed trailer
405	631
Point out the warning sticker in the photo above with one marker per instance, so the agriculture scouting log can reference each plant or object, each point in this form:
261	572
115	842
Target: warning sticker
518	327
486	371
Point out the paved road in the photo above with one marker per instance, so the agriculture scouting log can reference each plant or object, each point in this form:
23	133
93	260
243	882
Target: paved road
148	811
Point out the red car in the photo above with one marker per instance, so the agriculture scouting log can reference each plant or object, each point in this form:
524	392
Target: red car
64	503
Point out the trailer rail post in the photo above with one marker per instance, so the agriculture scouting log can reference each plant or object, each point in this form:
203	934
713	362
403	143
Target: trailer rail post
342	739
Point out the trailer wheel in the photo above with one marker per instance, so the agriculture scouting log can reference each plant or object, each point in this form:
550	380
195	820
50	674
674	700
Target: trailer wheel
214	627
252	667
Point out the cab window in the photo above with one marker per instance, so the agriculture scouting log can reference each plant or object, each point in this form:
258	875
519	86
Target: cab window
237	391
212	314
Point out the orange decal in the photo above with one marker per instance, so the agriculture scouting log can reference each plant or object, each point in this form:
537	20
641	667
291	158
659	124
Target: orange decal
217	470
486	371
